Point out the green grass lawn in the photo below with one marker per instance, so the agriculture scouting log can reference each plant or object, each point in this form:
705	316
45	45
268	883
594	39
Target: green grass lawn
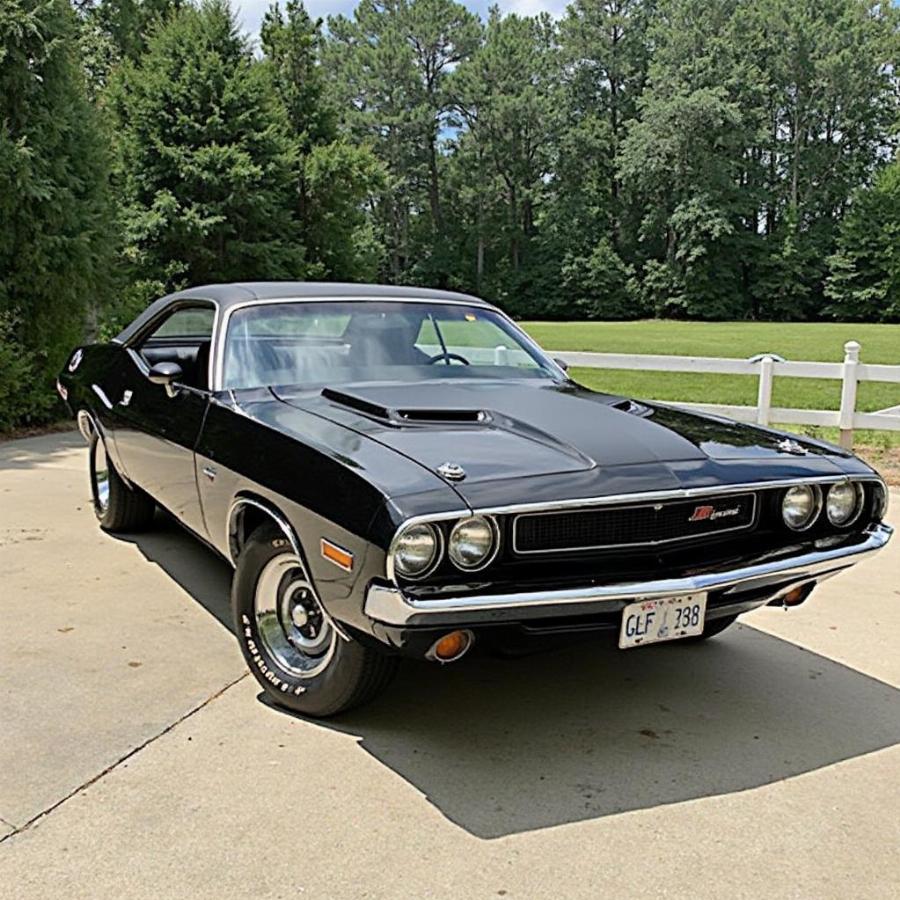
814	341
823	342
796	341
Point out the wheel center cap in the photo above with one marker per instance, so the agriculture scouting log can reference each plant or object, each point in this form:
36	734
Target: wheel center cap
299	616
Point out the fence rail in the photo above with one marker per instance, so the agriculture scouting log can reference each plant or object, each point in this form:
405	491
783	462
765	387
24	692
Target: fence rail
850	372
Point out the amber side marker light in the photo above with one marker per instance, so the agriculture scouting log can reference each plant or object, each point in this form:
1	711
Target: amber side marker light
796	596
342	558
451	647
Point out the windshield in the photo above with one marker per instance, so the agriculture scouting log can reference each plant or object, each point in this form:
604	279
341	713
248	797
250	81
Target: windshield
319	343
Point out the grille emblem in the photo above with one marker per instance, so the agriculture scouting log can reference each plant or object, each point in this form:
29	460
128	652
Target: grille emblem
708	513
451	471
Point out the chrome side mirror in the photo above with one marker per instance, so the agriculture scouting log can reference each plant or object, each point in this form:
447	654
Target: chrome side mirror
166	374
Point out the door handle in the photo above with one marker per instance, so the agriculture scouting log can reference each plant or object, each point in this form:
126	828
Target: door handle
210	472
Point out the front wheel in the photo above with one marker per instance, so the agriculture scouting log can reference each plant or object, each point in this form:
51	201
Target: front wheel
291	645
117	506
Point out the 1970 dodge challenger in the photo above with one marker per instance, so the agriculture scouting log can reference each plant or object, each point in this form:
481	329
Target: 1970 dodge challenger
403	471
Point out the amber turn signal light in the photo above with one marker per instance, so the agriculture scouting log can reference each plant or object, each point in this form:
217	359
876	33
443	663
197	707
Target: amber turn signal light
451	646
342	558
795	596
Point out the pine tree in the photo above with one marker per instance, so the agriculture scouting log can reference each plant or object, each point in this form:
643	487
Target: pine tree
54	203
865	270
206	166
337	181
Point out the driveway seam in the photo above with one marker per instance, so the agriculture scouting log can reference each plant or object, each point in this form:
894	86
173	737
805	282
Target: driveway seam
133	752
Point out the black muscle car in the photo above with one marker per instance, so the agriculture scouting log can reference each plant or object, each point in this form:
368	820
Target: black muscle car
403	471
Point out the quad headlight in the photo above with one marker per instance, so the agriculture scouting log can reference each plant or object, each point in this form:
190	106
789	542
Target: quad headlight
473	543
800	506
416	549
843	503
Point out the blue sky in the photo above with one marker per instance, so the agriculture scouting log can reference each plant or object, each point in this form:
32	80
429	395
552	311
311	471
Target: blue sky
250	12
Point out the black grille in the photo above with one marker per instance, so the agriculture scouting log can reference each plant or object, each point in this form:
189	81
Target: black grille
624	526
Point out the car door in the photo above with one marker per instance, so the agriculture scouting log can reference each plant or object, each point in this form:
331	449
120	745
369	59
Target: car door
157	428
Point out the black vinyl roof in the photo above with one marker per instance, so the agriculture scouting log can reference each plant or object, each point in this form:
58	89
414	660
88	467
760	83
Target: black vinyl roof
227	295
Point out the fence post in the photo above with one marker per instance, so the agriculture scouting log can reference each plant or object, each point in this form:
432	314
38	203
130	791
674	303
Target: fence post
764	394
848	394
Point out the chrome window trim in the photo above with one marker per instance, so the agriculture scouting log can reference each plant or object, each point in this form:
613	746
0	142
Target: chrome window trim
696	537
217	358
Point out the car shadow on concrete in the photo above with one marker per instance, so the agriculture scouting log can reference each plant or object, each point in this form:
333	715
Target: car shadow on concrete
506	746
196	568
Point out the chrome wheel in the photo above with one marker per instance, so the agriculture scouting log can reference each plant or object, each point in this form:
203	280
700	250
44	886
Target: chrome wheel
101	477
289	619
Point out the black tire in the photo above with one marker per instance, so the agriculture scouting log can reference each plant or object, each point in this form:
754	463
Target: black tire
711	629
336	674
117	506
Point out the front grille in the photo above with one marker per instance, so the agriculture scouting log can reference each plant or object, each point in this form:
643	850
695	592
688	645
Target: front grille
632	526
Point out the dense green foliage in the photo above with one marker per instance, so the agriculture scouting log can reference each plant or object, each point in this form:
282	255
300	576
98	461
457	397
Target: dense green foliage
55	209
696	159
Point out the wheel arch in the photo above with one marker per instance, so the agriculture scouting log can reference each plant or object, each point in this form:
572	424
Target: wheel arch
247	513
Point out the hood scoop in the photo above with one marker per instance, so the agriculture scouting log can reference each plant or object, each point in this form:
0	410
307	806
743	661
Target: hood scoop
411	415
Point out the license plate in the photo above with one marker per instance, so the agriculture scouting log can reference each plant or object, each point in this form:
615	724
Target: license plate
663	619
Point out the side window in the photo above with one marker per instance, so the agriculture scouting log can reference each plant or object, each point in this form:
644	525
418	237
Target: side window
192	323
183	338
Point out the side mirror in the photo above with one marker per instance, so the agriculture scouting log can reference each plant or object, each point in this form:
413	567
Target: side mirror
561	363
166	374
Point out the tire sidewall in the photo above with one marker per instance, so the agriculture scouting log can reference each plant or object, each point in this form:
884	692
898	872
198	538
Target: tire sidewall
319	694
99	512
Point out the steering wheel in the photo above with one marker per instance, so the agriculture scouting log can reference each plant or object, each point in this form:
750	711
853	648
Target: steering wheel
448	357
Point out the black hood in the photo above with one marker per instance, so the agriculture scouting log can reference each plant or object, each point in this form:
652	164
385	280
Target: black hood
498	430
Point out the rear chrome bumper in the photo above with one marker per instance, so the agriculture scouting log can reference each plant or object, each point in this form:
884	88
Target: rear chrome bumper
391	606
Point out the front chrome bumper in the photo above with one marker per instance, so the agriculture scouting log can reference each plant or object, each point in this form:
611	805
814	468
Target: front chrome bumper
391	606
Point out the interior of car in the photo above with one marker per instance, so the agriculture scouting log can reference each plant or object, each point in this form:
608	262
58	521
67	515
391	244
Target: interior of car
184	338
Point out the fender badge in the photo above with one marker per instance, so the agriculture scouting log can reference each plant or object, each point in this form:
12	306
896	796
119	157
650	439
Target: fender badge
451	471
75	361
788	445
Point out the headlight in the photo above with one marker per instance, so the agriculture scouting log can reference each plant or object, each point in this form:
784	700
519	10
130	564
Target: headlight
415	550
800	506
844	502
472	543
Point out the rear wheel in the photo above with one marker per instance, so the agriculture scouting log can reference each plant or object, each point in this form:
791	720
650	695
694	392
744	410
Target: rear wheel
117	506
288	640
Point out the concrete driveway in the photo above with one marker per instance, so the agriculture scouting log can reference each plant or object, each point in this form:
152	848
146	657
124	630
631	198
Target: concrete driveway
137	759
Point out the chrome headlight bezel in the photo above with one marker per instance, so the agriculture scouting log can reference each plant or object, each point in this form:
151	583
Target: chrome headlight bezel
437	553
816	508
493	548
859	499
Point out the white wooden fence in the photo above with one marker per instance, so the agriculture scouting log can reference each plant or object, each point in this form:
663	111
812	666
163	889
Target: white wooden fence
850	372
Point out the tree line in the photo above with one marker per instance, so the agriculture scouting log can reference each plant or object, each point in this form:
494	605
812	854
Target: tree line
714	159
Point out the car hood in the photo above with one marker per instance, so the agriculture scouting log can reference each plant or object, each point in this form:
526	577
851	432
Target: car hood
498	432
